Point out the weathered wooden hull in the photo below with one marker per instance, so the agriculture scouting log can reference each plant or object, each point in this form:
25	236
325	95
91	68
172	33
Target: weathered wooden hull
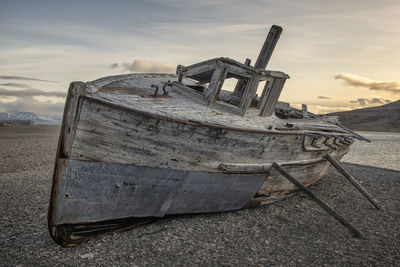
119	163
106	133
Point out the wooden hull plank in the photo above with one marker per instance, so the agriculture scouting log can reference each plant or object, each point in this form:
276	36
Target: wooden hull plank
98	191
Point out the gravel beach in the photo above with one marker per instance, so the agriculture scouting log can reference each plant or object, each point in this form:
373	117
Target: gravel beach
294	231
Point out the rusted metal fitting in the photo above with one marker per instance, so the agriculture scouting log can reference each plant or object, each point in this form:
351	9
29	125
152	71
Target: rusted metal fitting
156	91
165	93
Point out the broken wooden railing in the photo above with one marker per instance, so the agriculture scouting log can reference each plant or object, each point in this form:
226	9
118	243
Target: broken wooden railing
215	71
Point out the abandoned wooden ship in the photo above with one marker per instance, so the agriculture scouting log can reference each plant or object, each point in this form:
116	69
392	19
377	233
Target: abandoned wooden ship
141	146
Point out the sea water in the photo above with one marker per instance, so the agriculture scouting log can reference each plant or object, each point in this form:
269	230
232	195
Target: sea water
383	151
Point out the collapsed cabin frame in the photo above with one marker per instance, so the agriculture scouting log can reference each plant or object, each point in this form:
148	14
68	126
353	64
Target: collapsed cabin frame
214	72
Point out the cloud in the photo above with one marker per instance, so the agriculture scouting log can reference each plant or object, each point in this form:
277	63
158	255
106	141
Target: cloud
19	85
139	65
114	66
4	77
361	101
324	97
331	107
379	101
357	81
31	92
6	97
366	101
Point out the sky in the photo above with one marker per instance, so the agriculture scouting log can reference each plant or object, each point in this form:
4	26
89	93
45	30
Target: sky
340	55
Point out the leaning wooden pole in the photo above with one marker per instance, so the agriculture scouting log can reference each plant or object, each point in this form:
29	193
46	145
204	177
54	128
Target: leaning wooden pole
354	182
268	47
319	201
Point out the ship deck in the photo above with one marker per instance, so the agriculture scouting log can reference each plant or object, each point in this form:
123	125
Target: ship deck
135	91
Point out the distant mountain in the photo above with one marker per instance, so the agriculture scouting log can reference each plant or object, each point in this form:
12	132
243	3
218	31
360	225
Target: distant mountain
384	118
30	116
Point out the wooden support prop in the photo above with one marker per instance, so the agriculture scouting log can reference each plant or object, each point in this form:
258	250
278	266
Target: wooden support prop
268	47
354	182
319	201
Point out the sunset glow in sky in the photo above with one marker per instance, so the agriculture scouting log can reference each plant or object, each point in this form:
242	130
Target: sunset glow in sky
340	55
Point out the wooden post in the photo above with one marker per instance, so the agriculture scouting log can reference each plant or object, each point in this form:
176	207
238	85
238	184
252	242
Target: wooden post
266	91
304	111
268	47
319	201
179	73
271	96
240	85
354	182
261	63
216	82
250	91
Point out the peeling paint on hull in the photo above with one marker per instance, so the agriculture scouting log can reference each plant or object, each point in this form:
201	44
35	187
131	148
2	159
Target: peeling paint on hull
99	191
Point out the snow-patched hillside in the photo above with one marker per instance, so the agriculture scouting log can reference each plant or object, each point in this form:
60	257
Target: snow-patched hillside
30	116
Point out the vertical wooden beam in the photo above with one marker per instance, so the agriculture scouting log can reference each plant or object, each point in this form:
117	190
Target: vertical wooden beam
354	182
319	201
250	91
304	111
179	72
271	96
216	82
268	47
241	83
239	88
263	99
